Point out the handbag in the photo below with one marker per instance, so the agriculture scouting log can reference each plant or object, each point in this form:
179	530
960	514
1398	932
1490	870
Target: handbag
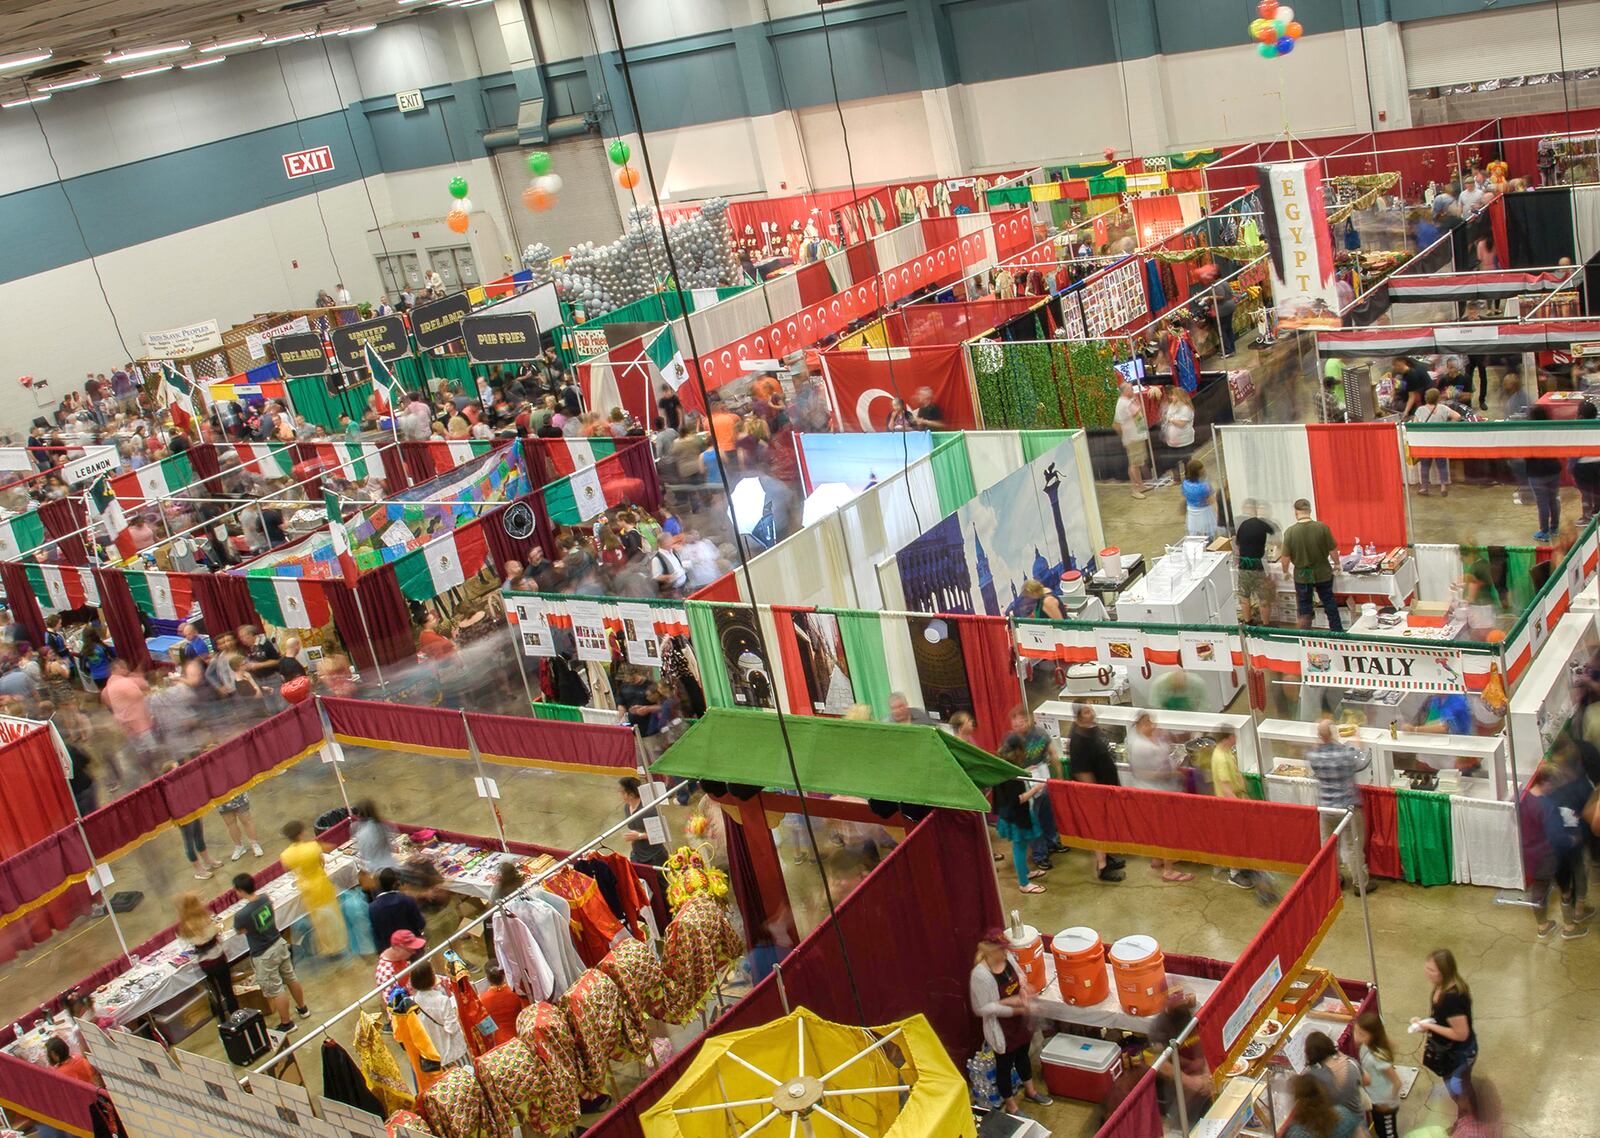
1439	1055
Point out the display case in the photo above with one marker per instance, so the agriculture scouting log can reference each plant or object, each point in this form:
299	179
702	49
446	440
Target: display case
1469	766
1055	717
1543	701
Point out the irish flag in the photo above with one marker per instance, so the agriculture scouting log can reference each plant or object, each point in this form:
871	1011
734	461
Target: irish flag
290	602
266	459
165	479
103	505
20	534
444	563
180	397
60	588
569	455
165	596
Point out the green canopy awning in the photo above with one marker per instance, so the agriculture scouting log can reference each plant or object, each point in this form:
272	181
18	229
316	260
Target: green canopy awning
890	761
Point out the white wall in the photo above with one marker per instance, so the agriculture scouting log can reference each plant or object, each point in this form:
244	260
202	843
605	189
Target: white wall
1021	122
702	161
889	139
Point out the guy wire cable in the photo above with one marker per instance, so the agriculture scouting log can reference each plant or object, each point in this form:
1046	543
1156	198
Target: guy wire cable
744	559
316	194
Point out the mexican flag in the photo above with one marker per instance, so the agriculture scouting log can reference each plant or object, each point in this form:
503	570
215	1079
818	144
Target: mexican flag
447	454
354	460
60	588
20	534
165	479
383	380
572	454
290	602
103	505
587	493
179	394
444	563
340	539
165	596
266	459
676	373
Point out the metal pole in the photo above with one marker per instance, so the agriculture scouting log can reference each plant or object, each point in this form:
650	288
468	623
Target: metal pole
1361	891
783	993
366	630
483	781
1177	1089
83	836
335	753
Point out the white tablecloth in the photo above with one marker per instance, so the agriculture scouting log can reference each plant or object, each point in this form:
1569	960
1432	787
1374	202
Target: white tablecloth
1108	1012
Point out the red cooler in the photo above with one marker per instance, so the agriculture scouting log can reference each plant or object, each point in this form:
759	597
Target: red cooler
1080	1068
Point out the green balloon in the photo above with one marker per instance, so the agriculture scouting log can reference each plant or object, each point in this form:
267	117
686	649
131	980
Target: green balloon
619	152
458	187
1280	27
1267	50
539	162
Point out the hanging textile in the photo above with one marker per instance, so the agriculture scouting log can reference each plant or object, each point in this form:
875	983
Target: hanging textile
21	601
410	1034
379	1068
545	1031
521	958
1270	465
343	1081
1426	853
1520	560
987	650
1379	809
1485	850
703	630
224	600
862	633
631	891
1152	284
794	666
701	942
1586	221
952	475
1180	350
469	1009
521	1088
601	1029
633	966
1359	482
456	1106
596	926
1538	228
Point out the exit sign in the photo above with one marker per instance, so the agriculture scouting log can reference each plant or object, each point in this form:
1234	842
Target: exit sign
303	163
409	101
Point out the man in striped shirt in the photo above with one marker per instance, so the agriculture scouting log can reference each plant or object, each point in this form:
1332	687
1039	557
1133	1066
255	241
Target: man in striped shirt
1335	765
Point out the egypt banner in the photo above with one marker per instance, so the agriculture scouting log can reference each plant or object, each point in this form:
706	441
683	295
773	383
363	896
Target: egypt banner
1304	289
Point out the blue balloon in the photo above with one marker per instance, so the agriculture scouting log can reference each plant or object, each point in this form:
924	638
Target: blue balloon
1285	45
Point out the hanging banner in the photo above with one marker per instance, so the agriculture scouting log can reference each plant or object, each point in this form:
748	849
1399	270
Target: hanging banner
533	626
95	462
1304	289
300	354
256	342
1205	651
438	322
386	334
494	338
589	631
1389	667
190	340
639	637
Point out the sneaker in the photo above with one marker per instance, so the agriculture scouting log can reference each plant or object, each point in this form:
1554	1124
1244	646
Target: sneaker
202	874
1545	930
1240	882
256	850
1138	493
303	1013
1573	932
1058	848
1115	863
1110	873
1541	538
1039	1099
1043	863
238	852
286	1028
1584	915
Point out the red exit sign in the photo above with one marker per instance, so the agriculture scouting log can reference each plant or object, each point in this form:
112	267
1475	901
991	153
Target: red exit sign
305	162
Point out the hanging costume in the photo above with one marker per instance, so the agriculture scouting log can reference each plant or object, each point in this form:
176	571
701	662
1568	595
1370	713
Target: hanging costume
603	1029
343	1081
457	1107
593	922
379	1068
700	943
544	1031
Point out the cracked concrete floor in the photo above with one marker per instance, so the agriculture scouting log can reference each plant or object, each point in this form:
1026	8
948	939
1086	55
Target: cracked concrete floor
1538	1029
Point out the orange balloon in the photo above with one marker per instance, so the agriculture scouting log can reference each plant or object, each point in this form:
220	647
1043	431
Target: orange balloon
1295	30
537	200
627	177
457	220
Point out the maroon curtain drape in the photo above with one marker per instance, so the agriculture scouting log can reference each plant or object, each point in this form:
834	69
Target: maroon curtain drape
224	602
742	881
395	475
63	518
32	874
388	618
536	458
21	601
36	802
425	728
1381	810
48	1096
987	650
599	745
636	457
122	618
207	466
418	461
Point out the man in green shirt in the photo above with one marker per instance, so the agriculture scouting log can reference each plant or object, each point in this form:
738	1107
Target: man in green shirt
1308	546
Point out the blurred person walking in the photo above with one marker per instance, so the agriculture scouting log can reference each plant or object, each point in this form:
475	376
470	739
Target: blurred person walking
1451	1049
304	858
1089	759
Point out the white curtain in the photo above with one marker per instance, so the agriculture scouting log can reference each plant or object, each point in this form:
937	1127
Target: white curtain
901	661
729	320
993	455
1438	568
783	296
1486	845
1270	465
810	567
1586	220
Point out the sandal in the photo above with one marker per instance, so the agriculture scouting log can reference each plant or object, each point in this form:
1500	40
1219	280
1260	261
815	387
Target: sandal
1031	888
1035	873
1175	876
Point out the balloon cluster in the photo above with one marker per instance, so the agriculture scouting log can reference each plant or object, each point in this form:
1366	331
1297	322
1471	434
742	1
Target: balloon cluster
460	213
627	176
543	186
599	278
1276	29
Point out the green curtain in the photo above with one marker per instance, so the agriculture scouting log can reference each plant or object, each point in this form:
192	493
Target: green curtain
862	633
1094	383
309	396
562	711
952	475
1519	576
1035	443
1427	852
1253	781
708	649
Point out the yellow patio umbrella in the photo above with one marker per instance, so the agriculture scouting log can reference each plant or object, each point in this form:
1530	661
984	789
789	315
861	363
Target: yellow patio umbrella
805	1077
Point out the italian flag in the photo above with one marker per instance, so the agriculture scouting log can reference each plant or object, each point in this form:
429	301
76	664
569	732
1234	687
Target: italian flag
290	602
60	588
383	379
165	596
447	454
443	564
180	396
339	538
103	505
164	479
21	534
266	459
569	455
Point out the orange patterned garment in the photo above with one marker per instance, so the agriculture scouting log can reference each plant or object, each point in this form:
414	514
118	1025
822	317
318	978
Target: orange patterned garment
593	922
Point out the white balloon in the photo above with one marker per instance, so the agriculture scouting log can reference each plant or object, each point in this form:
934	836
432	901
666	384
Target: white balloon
1284	13
550	183
464	204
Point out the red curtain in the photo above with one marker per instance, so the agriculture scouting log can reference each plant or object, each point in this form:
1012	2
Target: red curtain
1139	1114
388	618
395	475
1239	832
503	547
21	601
36	802
434	728
987	650
32	874
48	1096
794	669
1359	482
724	588
63	518
207	467
224	601
595	745
636	459
1289	935
122	617
1380	808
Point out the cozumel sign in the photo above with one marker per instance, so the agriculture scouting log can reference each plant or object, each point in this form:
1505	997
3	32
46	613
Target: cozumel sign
1357	664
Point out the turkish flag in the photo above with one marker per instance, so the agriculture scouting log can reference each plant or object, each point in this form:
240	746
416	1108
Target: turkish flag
863	383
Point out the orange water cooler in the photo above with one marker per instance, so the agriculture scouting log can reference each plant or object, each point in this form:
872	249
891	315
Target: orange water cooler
1080	966
1140	973
1027	948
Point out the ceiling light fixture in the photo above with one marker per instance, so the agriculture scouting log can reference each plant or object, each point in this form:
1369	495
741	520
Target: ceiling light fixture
157	70
27	59
199	63
70	84
290	38
148	52
248	41
25	102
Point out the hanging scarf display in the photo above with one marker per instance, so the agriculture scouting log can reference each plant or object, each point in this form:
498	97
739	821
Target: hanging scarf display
602	1029
701	942
457	1107
1152	284
1180	350
379	1068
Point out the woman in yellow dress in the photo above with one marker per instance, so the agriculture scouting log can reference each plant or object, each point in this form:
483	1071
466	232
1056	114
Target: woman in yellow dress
303	858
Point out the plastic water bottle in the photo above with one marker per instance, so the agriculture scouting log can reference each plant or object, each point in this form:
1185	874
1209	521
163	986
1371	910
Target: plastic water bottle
1356	552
